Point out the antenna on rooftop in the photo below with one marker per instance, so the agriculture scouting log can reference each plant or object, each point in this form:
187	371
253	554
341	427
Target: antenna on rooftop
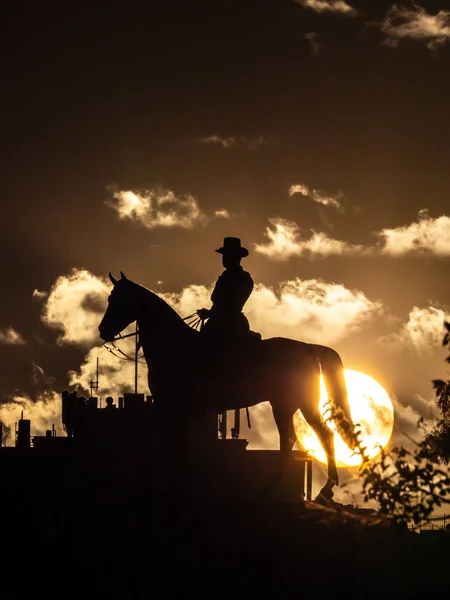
136	360
93	385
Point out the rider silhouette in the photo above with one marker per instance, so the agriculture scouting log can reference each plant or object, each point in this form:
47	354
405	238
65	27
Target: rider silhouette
226	322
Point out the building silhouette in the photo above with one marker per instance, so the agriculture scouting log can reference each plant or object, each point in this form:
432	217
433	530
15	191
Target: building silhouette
127	435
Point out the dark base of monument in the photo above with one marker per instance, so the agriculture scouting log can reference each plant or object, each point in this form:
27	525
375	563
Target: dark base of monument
169	546
94	539
107	526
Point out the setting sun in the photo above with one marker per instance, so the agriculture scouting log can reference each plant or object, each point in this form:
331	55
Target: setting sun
371	409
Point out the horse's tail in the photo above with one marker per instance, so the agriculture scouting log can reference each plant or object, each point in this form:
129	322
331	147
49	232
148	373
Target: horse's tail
333	374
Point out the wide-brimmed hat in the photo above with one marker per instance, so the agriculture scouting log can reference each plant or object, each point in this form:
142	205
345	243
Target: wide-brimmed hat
232	245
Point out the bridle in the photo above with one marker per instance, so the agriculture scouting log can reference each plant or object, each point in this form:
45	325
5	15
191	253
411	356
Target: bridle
119	353
194	321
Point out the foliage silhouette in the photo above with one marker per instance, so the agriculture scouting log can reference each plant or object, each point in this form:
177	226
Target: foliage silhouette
437	443
409	485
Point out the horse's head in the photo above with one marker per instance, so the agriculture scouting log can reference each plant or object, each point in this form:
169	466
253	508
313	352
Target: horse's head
121	309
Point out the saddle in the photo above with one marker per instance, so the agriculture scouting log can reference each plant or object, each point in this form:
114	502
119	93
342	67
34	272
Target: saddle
230	357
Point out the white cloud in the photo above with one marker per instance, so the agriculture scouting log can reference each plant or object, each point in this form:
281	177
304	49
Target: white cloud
159	208
285	242
317	196
335	6
426	235
223	213
425	327
416	23
235	141
37	294
11	337
423	331
43	414
75	305
309	310
116	375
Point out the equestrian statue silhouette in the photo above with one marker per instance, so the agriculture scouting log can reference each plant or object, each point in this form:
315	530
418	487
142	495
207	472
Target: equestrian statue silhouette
238	369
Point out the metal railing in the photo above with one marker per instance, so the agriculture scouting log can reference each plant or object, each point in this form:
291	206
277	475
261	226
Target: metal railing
434	523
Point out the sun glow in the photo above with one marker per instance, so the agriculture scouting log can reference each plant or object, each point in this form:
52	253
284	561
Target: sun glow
371	409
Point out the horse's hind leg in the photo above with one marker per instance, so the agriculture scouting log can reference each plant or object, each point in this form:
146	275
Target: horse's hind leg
308	403
326	438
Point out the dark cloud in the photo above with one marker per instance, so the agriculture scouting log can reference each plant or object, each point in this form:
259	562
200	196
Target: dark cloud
93	303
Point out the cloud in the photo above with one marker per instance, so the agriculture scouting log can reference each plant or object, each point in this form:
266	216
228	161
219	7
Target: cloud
423	331
247	143
38	295
285	242
314	42
222	213
11	337
116	374
335	6
75	305
40	379
310	310
406	418
416	23
159	208
426	235
43	414
318	197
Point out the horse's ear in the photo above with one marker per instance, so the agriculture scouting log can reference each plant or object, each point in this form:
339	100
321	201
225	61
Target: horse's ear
113	281
123	276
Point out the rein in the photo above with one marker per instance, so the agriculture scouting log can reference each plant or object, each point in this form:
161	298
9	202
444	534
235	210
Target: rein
193	321
124	356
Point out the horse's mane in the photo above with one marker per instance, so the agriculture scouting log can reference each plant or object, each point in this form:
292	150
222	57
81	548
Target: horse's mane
158	302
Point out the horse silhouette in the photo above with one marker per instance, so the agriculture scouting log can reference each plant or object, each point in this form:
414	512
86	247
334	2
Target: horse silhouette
188	378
